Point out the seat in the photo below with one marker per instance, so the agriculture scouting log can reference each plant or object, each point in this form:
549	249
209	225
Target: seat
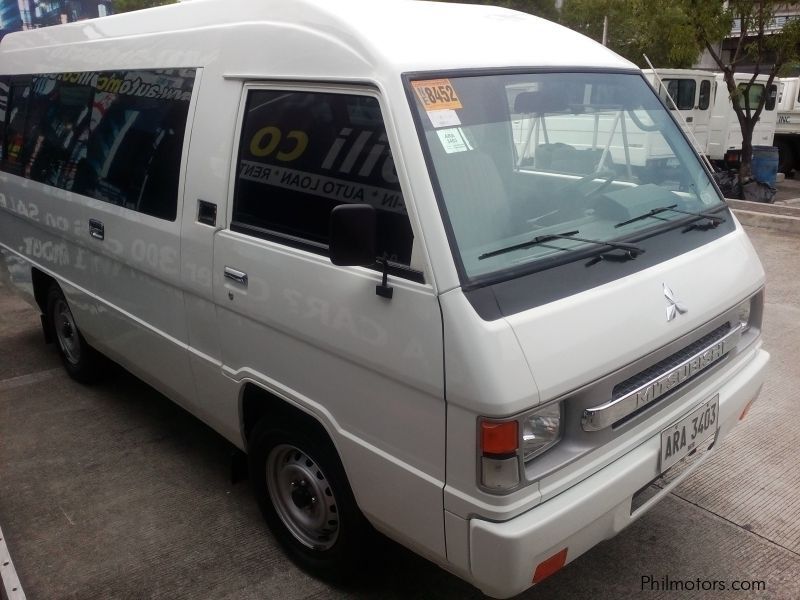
477	202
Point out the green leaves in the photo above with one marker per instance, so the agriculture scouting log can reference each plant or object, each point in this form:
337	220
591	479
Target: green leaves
658	28
121	6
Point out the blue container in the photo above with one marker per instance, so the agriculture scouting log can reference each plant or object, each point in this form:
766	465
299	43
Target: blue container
765	164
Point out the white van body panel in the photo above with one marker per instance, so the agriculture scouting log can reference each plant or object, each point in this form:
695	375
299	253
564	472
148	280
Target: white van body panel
399	385
601	318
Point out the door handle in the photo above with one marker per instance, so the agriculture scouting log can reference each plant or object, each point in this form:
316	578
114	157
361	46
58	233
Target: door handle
689	119
239	277
96	229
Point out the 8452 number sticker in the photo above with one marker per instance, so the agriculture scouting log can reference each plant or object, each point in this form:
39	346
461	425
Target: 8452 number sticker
437	94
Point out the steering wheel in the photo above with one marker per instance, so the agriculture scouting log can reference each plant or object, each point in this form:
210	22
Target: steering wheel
586	185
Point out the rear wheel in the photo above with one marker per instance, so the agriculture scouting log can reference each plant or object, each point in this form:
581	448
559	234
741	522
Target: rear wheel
302	490
81	361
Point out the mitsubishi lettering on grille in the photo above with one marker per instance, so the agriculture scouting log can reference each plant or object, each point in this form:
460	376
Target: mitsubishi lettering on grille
608	413
679	374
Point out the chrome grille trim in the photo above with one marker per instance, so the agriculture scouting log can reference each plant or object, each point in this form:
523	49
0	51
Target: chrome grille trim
658	385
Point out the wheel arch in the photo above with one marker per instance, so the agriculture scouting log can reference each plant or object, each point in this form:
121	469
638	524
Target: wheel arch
41	287
258	403
41	284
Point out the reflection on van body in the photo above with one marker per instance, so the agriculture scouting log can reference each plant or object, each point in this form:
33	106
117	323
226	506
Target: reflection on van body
417	284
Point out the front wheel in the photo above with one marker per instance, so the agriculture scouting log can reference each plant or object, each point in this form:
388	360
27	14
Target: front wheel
302	490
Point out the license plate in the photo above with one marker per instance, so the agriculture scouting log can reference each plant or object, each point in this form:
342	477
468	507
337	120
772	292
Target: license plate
686	435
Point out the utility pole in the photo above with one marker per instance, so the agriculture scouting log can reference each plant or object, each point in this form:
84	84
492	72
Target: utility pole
605	30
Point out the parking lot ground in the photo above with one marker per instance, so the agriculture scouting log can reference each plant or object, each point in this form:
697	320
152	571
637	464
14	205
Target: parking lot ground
112	491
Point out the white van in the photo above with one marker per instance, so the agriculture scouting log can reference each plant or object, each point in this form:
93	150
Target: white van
307	223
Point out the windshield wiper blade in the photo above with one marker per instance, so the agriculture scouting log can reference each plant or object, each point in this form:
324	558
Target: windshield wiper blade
631	249
673	208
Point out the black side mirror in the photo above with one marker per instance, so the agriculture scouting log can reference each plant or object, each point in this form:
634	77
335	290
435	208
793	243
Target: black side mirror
352	235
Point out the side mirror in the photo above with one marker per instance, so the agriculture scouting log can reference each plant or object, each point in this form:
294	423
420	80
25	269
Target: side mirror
353	235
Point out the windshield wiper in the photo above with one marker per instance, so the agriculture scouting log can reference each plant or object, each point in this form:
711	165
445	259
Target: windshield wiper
632	249
714	220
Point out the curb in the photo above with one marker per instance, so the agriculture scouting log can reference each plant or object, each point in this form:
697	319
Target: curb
768	216
10	588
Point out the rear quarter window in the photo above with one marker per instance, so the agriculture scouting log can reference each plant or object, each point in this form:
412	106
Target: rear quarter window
116	136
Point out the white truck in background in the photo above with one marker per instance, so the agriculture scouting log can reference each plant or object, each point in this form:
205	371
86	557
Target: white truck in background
707	112
787	128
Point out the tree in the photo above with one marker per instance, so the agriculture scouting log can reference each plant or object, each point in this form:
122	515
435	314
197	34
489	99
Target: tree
121	6
757	42
541	8
657	28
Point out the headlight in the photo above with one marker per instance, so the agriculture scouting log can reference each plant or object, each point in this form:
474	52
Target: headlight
743	313
507	444
540	430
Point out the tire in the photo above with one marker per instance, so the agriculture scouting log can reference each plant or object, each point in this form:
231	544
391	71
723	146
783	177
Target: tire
303	493
82	362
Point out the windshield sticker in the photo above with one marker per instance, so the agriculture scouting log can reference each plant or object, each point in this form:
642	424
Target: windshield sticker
437	94
453	140
444	118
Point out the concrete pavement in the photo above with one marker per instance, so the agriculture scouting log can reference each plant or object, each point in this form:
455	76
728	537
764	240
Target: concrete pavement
112	491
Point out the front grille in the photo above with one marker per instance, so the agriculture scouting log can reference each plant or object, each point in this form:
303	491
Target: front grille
672	361
664	366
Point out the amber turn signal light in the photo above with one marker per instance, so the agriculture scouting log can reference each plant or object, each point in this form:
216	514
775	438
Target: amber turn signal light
499	438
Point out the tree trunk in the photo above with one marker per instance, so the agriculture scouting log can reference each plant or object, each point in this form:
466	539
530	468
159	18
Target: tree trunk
745	168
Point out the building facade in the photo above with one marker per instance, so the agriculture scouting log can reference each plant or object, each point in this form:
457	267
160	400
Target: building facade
16	15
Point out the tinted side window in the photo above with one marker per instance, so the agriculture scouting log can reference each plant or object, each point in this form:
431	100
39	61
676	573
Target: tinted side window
134	151
303	153
682	92
705	94
4	89
56	130
114	136
14	135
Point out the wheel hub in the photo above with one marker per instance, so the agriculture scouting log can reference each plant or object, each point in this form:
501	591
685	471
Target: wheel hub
65	332
302	497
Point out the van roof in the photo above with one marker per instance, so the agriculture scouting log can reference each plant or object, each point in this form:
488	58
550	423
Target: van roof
355	38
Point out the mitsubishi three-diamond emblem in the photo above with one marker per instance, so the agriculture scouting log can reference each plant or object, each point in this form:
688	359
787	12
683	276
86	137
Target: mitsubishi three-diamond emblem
674	308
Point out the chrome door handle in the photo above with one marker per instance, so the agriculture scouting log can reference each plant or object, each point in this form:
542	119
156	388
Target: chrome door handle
96	229
239	277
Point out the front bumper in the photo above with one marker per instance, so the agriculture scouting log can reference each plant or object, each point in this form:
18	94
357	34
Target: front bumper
503	556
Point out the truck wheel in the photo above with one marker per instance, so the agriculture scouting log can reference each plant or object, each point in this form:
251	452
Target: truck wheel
302	490
81	361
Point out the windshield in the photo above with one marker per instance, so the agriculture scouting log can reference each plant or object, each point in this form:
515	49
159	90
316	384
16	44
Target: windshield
521	156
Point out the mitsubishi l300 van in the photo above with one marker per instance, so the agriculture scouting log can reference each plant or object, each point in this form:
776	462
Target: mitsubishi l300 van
412	258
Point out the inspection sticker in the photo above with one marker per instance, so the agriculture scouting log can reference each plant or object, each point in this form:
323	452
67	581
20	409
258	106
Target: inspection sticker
444	118
453	140
437	94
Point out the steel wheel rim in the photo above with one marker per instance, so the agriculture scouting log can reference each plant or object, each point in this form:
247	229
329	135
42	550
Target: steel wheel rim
302	497
66	332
